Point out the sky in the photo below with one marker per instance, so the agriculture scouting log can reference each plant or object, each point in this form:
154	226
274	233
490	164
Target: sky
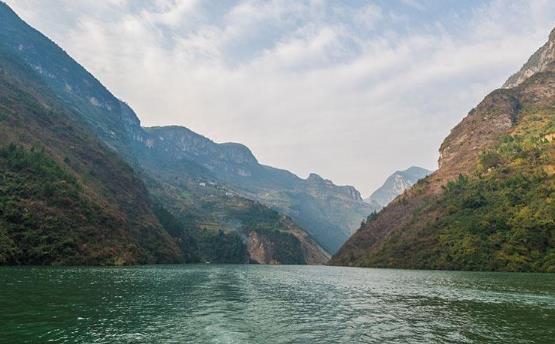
351	90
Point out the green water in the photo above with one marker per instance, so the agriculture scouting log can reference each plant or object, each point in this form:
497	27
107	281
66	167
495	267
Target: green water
273	304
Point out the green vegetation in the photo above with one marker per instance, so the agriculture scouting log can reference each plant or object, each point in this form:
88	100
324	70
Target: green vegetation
498	224
504	217
25	235
270	225
202	245
225	239
81	200
501	218
73	201
286	247
35	226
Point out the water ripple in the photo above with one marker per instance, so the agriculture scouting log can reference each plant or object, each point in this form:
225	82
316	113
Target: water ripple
269	304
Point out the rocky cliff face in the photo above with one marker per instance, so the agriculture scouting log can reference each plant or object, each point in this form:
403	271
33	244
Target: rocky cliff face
265	248
478	210
538	62
477	131
395	185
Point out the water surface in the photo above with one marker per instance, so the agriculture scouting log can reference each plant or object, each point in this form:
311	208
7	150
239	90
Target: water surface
273	304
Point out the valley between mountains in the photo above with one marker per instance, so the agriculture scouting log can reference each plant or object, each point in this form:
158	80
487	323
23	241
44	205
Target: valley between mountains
82	182
140	195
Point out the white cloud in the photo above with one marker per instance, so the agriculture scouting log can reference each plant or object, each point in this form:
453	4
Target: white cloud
351	93
170	13
368	16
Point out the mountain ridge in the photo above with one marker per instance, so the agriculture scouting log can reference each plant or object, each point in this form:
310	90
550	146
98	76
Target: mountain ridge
328	213
308	202
538	62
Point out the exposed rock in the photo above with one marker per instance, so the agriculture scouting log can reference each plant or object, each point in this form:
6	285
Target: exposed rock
260	250
538	62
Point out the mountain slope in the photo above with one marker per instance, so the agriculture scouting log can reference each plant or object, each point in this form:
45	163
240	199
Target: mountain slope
179	202
395	185
329	213
489	206
64	197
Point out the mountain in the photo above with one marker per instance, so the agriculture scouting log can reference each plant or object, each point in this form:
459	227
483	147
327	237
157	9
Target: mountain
539	61
64	197
68	143
395	185
489	206
329	213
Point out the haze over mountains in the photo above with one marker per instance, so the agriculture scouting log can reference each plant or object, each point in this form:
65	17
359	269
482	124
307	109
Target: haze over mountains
328	212
341	94
208	198
489	206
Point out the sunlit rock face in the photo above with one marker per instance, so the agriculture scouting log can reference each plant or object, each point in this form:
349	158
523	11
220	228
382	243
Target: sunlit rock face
538	62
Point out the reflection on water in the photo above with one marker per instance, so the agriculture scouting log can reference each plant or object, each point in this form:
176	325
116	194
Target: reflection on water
273	304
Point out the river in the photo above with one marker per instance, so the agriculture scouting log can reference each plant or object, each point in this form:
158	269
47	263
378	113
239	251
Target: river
273	304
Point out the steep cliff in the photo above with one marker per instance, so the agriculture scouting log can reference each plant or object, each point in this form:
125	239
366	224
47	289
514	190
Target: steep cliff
539	61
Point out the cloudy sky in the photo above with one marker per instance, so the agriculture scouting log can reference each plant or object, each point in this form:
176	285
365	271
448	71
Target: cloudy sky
352	90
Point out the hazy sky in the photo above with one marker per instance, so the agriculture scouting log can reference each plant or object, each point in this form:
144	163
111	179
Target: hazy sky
352	90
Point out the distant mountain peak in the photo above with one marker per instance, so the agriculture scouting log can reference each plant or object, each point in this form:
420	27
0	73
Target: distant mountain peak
396	184
347	190
541	60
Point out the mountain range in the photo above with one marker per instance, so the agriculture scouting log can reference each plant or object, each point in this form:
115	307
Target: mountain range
82	182
202	201
328	212
489	206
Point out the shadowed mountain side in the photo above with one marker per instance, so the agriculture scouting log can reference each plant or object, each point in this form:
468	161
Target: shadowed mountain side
327	211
